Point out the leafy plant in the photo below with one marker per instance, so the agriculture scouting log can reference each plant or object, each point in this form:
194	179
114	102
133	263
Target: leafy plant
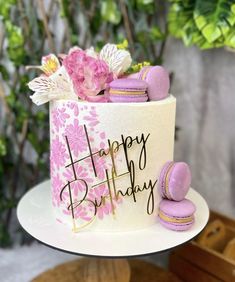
205	23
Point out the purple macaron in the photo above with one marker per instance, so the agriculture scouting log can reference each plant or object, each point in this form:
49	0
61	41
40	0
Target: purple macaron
174	181
158	82
178	216
125	90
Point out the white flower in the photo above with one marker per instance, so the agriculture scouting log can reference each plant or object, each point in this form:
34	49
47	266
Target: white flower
57	86
50	64
118	60
91	52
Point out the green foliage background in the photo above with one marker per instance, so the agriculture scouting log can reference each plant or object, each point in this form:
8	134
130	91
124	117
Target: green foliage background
205	23
30	29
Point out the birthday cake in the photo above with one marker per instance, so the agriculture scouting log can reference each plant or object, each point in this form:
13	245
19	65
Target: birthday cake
112	129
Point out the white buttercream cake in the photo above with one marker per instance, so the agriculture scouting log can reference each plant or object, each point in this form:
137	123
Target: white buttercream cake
105	162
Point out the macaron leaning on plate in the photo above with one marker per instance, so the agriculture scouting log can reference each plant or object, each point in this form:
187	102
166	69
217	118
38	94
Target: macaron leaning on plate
158	82
178	216
174	181
126	90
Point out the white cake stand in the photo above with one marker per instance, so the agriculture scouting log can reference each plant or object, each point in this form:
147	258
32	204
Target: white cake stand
36	216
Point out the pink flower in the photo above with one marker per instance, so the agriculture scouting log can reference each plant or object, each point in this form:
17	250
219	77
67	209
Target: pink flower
88	74
76	137
58	117
58	153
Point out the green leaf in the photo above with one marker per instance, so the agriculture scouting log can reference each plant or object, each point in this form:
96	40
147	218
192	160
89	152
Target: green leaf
200	21
146	6
211	32
233	8
230	39
5	7
110	12
41	116
5	239
145	2
15	47
39	146
205	23
156	34
3	149
180	13
32	138
64	11
142	37
11	99
216	16
96	23
4	72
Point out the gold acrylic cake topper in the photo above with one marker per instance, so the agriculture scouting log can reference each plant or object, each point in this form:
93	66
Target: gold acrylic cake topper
110	180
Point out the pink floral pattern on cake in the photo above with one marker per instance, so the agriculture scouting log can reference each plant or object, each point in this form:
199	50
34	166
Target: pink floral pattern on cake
76	137
58	153
81	173
79	213
67	123
56	183
74	107
59	116
106	208
92	118
98	193
100	165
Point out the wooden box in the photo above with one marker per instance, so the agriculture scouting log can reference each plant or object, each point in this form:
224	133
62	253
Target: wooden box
198	261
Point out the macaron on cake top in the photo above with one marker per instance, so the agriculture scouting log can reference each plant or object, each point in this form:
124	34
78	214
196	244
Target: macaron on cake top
128	90
174	181
178	216
158	82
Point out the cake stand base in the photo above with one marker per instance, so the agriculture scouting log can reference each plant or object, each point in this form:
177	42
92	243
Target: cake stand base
35	214
106	270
